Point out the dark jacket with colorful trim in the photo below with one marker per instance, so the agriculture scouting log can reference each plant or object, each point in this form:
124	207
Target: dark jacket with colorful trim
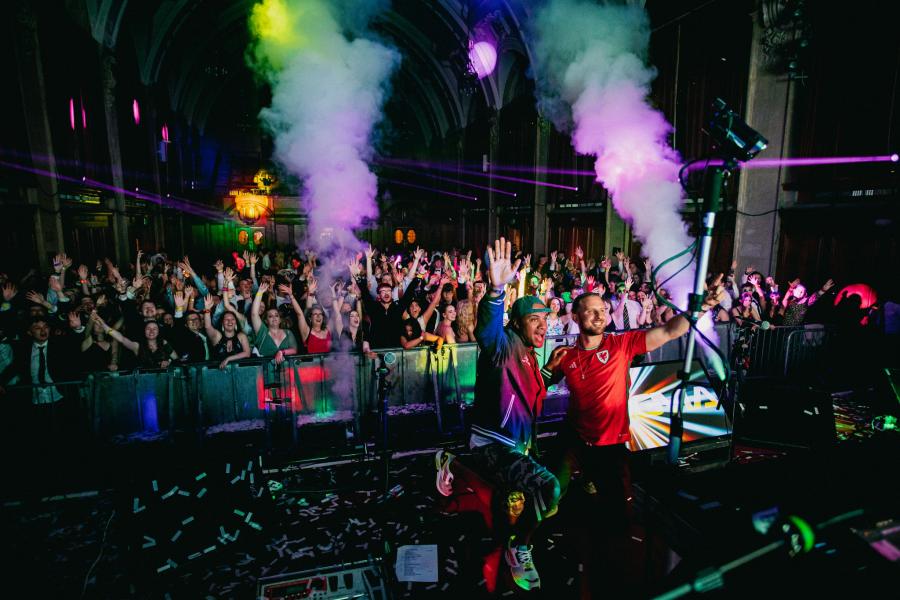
509	388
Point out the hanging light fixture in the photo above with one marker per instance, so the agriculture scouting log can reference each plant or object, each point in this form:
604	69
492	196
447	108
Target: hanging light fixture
251	207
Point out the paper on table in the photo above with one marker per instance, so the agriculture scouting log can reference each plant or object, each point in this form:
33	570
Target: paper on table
417	563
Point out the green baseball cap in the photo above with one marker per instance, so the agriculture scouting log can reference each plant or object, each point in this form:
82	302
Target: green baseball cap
527	305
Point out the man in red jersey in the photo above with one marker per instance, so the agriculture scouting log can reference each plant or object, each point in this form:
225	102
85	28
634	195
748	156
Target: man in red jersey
596	373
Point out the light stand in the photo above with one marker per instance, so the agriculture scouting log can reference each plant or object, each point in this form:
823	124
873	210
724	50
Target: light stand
384	387
736	141
712	203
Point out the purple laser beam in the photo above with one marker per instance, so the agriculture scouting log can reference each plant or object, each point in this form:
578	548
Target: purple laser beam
451	180
200	211
428	189
422	165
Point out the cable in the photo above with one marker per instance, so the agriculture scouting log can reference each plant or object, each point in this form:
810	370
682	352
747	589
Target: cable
762	214
102	547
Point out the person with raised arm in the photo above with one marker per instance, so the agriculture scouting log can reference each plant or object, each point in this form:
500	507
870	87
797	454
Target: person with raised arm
509	396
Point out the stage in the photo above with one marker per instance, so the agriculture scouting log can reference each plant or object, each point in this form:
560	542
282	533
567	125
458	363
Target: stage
309	514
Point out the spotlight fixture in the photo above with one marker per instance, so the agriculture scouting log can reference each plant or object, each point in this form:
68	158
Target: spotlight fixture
736	139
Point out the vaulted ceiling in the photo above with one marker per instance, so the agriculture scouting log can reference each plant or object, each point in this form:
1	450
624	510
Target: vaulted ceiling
196	49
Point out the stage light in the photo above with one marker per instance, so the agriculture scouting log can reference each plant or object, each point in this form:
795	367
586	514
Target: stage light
895	157
136	111
483	58
736	139
72	113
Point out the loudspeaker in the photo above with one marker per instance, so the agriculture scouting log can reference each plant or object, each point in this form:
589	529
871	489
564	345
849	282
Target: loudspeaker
788	415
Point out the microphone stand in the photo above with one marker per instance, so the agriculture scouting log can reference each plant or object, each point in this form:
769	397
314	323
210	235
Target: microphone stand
712	203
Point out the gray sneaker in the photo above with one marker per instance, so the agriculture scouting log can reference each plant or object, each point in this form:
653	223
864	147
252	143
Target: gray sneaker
522	568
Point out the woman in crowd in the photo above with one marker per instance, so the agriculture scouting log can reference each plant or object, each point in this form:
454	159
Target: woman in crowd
464	325
445	327
313	323
351	337
555	324
413	336
745	313
228	343
271	340
99	351
152	352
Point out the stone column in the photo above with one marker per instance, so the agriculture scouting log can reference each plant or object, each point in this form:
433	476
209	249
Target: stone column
541	155
617	233
493	147
770	101
48	227
122	247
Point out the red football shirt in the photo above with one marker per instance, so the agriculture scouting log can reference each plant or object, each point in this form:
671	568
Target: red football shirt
598	384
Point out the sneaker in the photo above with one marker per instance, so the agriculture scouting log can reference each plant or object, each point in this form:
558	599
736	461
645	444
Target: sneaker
522	567
444	480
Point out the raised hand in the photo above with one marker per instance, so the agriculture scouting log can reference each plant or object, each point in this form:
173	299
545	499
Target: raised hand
590	282
253	258
58	263
827	285
82	272
501	271
527	262
9	291
556	357
187	265
263	287
35	297
605	264
179	300
579	253
553	255
353	266
419	253
285	290
229	275
312	285
66	261
208	300
370	252
54	284
189	292
74	319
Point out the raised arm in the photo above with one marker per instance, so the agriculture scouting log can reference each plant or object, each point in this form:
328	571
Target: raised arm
211	332
337	302
489	332
133	346
255	320
432	306
678	326
286	291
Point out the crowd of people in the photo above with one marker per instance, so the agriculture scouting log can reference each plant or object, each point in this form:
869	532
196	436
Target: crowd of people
163	310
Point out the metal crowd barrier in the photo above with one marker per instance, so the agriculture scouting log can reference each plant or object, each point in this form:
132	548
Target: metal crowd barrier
342	387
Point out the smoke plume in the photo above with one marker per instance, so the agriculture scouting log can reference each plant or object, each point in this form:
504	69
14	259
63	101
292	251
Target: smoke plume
329	81
592	80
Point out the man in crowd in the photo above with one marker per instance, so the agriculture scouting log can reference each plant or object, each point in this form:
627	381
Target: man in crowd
509	396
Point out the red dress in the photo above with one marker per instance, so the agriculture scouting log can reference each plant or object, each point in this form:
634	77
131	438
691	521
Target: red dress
317	345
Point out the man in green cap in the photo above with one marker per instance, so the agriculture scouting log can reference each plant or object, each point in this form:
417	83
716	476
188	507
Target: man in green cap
509	396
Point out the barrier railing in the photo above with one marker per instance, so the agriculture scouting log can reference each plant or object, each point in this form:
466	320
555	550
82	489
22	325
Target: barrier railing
341	387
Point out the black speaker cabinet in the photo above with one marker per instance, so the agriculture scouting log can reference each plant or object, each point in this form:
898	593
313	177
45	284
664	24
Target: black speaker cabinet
788	415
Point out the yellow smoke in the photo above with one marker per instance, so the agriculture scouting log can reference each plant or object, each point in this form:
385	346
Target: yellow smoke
282	28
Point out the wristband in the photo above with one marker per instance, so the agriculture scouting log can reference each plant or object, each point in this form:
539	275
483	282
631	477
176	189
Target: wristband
83	281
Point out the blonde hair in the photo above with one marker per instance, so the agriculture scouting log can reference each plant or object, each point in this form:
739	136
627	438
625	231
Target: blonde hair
465	316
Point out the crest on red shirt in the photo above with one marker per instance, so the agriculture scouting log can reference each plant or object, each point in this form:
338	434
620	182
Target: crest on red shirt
603	356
